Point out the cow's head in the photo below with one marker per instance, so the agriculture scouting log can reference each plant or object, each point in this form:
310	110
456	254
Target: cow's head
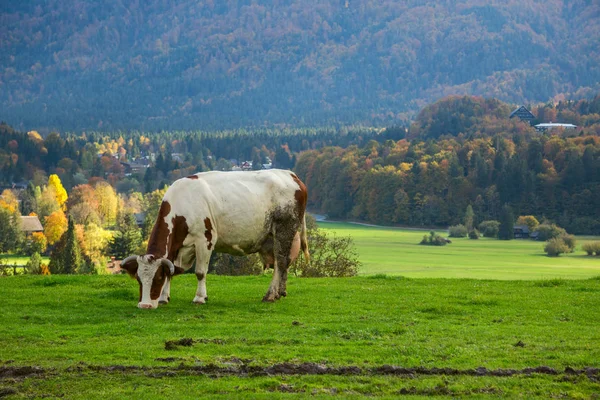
152	274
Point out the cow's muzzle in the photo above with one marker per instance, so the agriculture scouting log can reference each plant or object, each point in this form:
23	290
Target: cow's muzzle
146	305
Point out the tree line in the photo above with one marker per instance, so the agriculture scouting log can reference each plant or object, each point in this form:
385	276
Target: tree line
431	183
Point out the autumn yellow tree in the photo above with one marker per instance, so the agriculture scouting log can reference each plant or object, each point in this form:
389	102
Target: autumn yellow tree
59	190
9	201
56	225
108	203
529	220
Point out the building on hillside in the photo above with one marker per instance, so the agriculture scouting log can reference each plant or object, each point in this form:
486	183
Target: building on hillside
552	125
30	225
524	114
140	218
521	232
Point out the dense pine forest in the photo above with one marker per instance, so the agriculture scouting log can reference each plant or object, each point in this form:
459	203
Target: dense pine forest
152	65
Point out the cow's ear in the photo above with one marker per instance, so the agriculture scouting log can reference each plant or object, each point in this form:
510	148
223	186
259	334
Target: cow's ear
130	265
176	270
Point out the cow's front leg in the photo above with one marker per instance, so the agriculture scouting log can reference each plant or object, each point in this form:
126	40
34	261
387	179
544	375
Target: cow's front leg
273	292
202	259
165	295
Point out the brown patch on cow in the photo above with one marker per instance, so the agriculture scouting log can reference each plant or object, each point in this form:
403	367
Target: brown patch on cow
301	196
200	275
208	232
192	177
130	267
159	237
158	281
178	270
178	234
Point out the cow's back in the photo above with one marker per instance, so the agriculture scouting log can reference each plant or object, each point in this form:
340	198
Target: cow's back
239	206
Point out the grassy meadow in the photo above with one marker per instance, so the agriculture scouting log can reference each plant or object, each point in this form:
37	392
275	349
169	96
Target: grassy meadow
517	324
394	251
83	337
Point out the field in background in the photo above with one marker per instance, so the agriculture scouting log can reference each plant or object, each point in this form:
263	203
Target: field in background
396	251
83	337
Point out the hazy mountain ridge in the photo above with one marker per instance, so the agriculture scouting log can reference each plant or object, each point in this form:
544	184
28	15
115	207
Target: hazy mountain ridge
150	65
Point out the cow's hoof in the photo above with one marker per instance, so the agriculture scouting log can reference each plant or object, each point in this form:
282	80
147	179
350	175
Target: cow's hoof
200	300
268	299
283	294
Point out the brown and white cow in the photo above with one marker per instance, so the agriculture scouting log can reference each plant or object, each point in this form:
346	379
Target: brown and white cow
230	212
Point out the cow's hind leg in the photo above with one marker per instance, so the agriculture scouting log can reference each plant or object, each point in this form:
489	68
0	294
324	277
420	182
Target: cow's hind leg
203	253
283	236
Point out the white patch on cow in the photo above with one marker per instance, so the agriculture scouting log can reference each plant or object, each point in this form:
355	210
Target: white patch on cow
146	272
166	292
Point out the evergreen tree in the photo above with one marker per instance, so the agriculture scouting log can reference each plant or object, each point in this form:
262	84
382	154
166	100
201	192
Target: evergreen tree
128	238
66	257
507	221
469	214
10	232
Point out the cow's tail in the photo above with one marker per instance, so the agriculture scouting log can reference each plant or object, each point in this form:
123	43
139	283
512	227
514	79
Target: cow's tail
304	240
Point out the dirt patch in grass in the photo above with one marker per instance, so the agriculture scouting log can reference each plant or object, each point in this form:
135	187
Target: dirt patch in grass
244	369
7	372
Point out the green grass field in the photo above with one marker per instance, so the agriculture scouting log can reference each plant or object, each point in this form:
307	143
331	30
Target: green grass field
11	259
83	337
395	251
525	326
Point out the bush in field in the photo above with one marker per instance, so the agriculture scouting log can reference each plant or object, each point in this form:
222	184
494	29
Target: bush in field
591	247
555	247
569	241
549	231
330	256
474	234
489	228
458	231
226	264
434	240
34	264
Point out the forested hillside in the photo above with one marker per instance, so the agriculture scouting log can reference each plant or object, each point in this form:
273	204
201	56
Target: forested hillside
152	64
464	151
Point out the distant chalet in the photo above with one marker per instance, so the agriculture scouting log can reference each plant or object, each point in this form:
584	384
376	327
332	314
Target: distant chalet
31	224
551	125
523	113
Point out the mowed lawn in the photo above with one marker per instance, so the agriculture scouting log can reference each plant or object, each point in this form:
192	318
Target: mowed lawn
396	251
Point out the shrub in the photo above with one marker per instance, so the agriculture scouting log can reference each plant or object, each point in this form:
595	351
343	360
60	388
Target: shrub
34	265
549	231
457	231
569	240
554	247
329	257
591	247
489	228
474	234
434	240
225	264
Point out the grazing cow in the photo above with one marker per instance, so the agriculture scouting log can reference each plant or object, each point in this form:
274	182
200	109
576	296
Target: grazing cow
229	212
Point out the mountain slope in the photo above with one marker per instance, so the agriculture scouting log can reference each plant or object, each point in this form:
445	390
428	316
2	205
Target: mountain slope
147	64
